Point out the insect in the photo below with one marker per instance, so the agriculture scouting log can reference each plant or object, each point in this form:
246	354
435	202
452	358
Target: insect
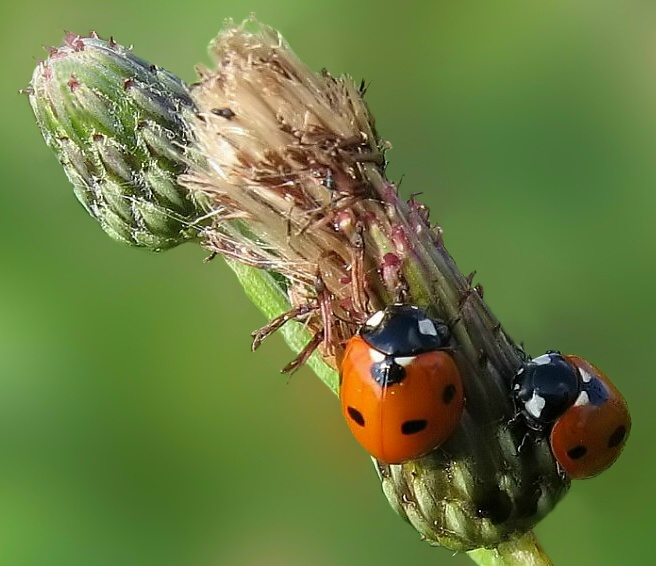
586	417
400	389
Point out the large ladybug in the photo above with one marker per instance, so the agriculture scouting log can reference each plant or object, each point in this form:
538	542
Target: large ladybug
586	417
400	389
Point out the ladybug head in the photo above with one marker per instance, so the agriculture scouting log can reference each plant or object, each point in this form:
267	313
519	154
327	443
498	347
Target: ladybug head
545	388
404	330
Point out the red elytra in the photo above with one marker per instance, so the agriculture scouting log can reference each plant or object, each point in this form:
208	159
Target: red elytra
591	434
404	419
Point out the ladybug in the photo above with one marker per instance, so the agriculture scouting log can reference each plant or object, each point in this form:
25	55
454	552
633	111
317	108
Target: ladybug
400	389
586	417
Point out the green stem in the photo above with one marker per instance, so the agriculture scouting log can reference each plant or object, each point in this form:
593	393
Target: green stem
522	551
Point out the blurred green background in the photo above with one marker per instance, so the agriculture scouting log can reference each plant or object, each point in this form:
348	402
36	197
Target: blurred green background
136	427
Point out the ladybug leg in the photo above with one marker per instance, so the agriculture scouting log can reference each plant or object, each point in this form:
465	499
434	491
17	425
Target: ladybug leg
524	443
298	313
528	436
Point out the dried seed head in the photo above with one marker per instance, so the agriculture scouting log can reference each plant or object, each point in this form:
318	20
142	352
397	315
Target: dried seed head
295	156
115	123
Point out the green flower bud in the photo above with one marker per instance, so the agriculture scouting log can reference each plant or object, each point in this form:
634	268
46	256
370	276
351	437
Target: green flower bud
115	123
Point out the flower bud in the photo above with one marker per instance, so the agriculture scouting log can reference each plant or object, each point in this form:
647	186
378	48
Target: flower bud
115	123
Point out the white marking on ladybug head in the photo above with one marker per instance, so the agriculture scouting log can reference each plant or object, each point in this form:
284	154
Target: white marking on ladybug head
582	399
426	327
376	356
375	319
535	405
586	376
404	361
542	360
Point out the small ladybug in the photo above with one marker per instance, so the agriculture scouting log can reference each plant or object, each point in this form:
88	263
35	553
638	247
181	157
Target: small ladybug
401	392
586	416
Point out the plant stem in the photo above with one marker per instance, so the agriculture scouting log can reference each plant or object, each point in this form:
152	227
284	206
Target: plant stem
522	551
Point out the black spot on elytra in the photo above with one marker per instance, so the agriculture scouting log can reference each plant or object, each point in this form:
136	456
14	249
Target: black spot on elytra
413	427
449	393
495	506
355	415
577	452
617	437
